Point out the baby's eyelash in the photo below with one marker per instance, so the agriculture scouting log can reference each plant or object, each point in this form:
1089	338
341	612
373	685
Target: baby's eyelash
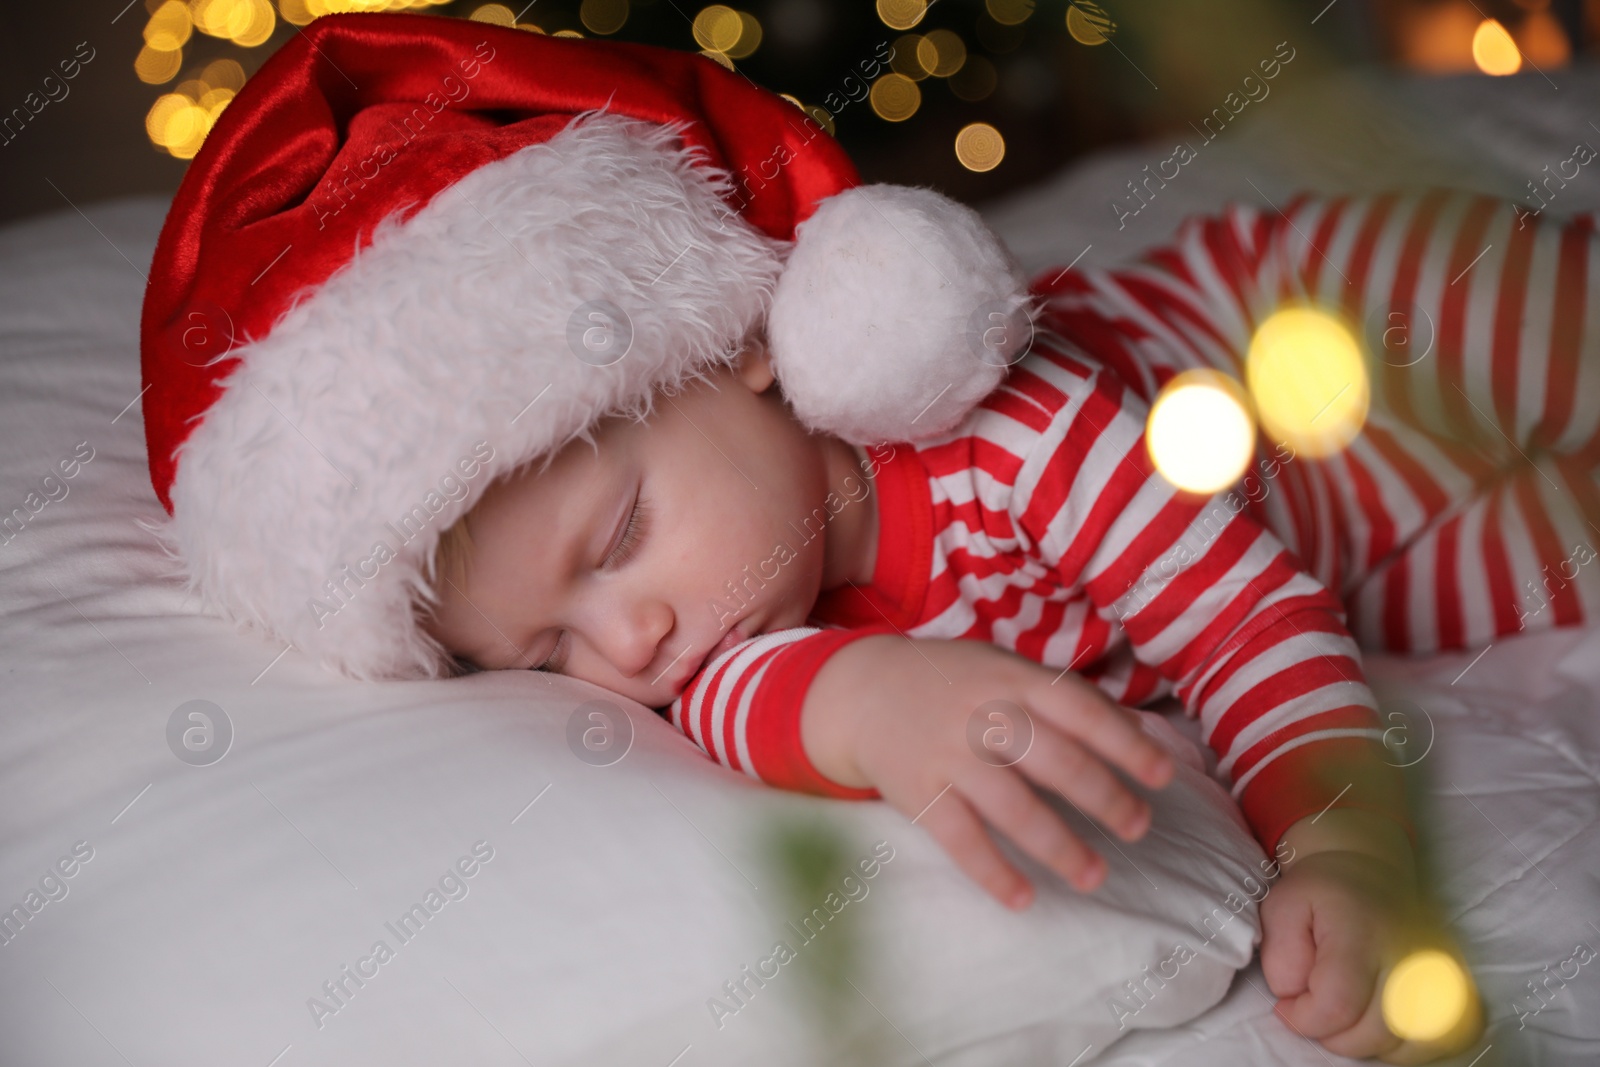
555	653
638	525
632	536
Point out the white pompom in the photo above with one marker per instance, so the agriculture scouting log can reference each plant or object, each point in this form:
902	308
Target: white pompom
897	312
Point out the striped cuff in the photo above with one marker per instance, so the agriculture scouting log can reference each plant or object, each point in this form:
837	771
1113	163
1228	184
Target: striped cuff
777	754
1339	772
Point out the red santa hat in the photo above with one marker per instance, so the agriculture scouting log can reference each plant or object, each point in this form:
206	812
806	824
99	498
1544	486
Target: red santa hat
416	253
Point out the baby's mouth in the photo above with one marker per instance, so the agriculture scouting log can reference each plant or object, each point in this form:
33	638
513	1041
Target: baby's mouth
734	635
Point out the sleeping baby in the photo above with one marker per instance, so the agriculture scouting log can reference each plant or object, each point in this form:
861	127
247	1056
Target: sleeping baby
828	617
785	459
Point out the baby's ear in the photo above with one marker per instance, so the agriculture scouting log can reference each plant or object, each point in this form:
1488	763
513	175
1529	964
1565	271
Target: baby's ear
754	367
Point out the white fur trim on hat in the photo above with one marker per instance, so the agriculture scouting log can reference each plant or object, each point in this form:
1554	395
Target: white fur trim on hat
898	310
459	344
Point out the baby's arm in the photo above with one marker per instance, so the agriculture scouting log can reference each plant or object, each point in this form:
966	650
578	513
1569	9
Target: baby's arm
1257	649
1275	688
908	717
1207	598
867	713
744	707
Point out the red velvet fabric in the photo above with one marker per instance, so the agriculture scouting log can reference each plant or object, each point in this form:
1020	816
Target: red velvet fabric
360	114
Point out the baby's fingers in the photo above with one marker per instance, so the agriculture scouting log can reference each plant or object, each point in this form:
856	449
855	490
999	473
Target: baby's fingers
1005	800
962	834
1082	711
1060	763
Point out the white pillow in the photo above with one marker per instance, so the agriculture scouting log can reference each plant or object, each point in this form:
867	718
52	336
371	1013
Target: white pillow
580	913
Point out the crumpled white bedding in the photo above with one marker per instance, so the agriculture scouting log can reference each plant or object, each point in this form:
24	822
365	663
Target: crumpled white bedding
192	911
1508	746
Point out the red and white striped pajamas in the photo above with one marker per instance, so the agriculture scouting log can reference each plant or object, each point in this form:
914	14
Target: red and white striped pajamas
1040	525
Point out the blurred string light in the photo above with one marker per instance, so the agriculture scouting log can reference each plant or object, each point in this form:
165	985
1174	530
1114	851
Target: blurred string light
1009	12
1307	387
301	12
730	33
500	15
821	115
725	34
1493	49
1455	36
179	121
606	17
1308	380
246	23
494	15
1088	23
901	14
941	53
1426	996
1200	433
895	97
980	147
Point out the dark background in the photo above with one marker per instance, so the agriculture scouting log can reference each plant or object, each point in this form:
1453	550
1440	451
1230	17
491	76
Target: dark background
1054	98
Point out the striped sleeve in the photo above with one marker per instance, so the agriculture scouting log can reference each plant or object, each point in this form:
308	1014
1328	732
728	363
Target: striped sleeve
743	709
1254	646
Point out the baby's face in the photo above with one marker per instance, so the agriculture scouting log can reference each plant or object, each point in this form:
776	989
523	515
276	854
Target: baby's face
711	481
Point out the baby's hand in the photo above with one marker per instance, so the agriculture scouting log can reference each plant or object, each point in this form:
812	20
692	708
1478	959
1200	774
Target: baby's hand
896	714
1343	914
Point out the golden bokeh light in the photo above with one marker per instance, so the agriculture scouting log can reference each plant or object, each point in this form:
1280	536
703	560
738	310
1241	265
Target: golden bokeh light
980	147
1308	380
1426	996
296	12
223	74
214	100
822	117
749	36
603	16
907	57
1200	434
901	14
895	97
1009	12
169	27
183	125
717	28
158	119
246	23
494	15
1088	23
155	67
1493	49
941	53
302	12
262	22
179	121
